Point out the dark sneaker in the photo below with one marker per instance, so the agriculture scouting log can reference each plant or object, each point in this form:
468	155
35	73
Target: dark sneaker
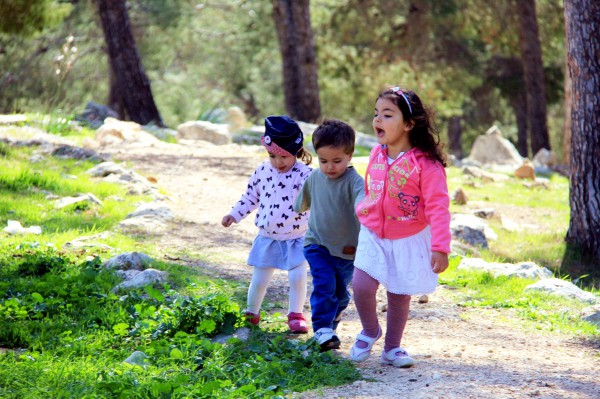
327	339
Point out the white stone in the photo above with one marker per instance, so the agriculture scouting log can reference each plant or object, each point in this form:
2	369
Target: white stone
142	279
66	201
563	288
106	168
15	227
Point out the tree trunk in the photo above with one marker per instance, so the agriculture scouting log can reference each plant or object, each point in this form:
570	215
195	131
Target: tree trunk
567	121
296	42
455	136
419	45
132	84
582	26
521	116
115	100
533	68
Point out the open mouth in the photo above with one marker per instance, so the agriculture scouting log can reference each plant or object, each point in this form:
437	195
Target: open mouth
379	132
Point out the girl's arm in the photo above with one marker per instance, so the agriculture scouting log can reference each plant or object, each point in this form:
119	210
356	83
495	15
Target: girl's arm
250	200
437	206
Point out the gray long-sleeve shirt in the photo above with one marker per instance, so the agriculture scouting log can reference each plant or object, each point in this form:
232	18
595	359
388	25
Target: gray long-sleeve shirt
332	222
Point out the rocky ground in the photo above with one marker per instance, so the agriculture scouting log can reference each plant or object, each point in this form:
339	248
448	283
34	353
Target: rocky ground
459	352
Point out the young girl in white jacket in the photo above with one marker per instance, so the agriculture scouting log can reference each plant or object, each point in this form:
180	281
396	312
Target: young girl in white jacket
272	190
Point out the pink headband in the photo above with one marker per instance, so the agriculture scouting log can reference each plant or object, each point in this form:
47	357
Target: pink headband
274	148
397	90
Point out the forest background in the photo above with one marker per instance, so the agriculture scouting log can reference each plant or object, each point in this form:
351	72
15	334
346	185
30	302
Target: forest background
463	57
475	63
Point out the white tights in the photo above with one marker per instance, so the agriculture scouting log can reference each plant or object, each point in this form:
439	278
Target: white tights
261	277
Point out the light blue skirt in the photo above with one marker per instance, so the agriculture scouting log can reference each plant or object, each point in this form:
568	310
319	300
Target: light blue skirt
283	255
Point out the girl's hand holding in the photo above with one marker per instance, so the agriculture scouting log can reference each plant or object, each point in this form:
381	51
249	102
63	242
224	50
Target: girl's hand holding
439	262
228	220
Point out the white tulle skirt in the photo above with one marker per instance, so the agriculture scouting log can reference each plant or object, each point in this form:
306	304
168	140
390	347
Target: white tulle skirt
402	266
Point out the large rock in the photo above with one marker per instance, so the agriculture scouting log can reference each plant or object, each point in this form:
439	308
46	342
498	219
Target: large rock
116	132
471	230
525	171
591	314
492	148
566	289
142	279
129	261
203	130
527	270
545	158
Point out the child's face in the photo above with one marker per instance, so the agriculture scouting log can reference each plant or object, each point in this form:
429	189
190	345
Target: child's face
282	163
389	125
333	161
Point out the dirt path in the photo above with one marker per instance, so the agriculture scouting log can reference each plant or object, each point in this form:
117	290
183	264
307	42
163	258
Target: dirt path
459	352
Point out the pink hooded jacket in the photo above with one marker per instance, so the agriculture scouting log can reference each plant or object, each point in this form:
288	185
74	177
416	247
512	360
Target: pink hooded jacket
401	199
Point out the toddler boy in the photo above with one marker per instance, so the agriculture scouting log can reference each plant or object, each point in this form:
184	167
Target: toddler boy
331	193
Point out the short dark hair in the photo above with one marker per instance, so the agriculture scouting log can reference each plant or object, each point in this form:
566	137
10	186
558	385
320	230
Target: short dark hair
334	133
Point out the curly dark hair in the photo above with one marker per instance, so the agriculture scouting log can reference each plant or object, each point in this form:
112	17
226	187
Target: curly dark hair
424	134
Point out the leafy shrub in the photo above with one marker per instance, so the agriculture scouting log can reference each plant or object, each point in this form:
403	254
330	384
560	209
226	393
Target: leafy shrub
160	316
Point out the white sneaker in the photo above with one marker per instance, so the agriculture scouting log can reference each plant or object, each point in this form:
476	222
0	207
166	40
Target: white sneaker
327	339
397	357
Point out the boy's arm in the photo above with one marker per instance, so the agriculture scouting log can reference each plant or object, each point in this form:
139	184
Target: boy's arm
358	190
302	202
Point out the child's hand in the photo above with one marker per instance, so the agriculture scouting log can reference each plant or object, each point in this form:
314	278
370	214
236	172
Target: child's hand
439	262
228	220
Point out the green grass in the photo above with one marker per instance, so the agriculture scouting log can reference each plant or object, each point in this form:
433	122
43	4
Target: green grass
28	193
68	335
545	209
537	310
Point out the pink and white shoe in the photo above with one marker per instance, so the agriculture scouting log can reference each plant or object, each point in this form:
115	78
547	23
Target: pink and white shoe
397	357
252	318
297	323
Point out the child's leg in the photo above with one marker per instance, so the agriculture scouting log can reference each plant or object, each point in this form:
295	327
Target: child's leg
365	290
297	279
343	276
323	301
397	316
261	277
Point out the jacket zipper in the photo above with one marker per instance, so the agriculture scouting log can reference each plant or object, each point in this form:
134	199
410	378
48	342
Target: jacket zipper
383	195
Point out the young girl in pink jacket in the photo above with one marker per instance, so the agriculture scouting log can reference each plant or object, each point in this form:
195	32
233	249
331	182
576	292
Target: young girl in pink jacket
404	239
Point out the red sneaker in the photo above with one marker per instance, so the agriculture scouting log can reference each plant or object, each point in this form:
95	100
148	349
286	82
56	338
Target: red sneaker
297	323
252	318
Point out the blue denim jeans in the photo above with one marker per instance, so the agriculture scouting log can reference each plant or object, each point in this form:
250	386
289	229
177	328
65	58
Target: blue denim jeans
330	276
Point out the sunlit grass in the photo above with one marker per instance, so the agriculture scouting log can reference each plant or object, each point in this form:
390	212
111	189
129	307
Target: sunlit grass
536	309
29	192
